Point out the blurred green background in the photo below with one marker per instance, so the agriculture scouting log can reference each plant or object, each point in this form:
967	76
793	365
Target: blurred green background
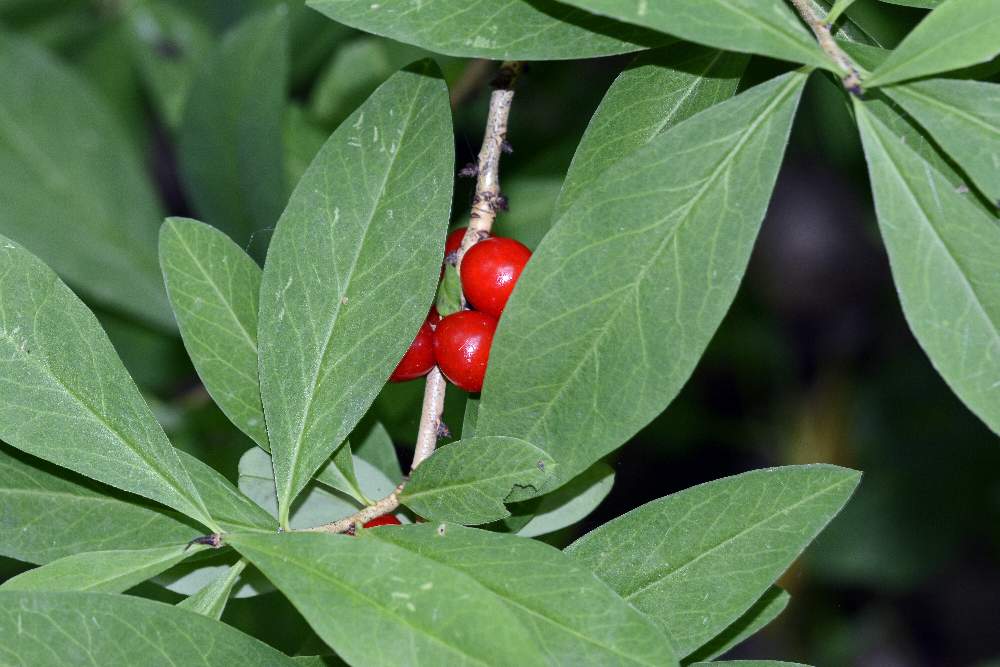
813	364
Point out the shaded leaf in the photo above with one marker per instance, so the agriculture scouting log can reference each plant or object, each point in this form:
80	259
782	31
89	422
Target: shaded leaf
214	287
230	507
211	600
571	502
516	30
620	299
655	92
467	481
229	141
73	187
942	249
67	628
375	446
339	474
748	663
531	200
100	571
65	396
957	34
351	270
765	610
699	559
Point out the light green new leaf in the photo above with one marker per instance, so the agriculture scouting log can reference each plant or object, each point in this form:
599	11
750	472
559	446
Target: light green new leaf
571	502
574	617
101	629
435	614
230	507
211	600
49	513
65	396
964	118
765	610
943	250
514	30
624	293
698	559
467	481
351	270
449	294
230	138
957	34
72	187
658	90
101	571
167	43
766	27
214	287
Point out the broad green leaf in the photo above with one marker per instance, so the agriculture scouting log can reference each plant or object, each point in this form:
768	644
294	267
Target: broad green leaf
942	249
73	188
230	507
49	513
575	618
765	27
435	614
765	610
211	600
339	474
65	396
515	30
957	34
375	447
167	43
214	287
571	502
620	299
97	628
467	481
964	118
101	571
658	90
449	294
352	269
229	141
698	559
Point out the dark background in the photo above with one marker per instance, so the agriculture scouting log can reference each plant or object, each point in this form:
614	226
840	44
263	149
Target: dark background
814	362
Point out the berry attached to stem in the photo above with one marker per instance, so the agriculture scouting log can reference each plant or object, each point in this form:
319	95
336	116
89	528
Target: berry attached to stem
384	520
490	270
462	347
419	359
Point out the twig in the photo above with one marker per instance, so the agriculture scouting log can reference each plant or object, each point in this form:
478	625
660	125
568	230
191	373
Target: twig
485	204
821	28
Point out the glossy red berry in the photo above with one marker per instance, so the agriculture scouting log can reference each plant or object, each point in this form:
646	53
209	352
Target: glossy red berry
433	317
419	359
462	347
384	520
490	270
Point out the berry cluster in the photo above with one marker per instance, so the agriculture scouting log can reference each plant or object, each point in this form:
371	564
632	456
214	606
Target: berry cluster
459	344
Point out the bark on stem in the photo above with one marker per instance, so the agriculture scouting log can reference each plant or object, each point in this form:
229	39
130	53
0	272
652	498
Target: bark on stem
485	204
821	29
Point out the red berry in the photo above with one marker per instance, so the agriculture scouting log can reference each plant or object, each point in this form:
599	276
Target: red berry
419	359
462	347
490	270
384	520
433	317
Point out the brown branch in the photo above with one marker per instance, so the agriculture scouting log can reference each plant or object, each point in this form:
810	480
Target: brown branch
821	29
485	204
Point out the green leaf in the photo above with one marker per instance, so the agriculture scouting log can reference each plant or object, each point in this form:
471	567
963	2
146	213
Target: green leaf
957	34
229	141
942	249
339	474
65	396
922	4
73	187
49	513
516	30
532	201
698	559
449	294
302	139
98	628
657	91
193	576
467	481
167	43
469	418
214	288
100	571
748	663
964	118
211	600
230	507
351	270
765	610
375	447
765	27
571	502
620	299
